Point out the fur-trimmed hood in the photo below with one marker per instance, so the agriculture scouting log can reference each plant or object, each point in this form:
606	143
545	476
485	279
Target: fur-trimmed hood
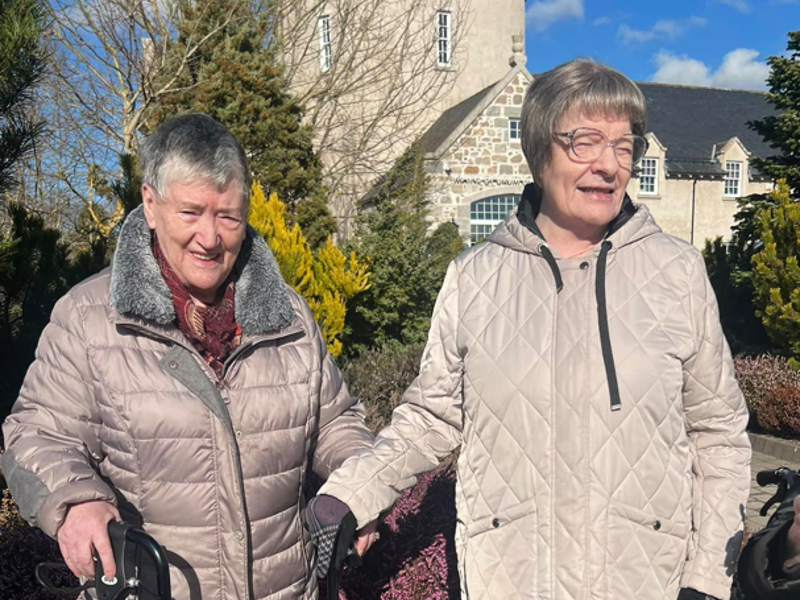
138	289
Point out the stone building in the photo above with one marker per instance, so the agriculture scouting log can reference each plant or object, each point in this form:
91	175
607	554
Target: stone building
696	166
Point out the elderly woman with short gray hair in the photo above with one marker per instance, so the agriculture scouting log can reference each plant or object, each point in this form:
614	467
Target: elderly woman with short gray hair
577	358
187	389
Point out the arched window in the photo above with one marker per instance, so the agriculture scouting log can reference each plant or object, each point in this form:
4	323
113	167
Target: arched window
484	215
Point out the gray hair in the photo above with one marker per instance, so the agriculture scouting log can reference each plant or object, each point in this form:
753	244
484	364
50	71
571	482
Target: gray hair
193	146
584	85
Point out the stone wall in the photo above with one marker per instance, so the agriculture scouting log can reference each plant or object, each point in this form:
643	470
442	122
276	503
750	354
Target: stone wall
483	161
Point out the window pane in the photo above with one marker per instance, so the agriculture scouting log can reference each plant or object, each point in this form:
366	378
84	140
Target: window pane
648	176
733	178
487	213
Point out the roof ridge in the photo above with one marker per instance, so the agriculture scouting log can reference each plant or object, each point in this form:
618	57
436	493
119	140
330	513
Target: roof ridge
700	87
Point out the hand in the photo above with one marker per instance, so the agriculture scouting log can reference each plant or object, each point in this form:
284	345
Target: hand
365	537
793	537
86	527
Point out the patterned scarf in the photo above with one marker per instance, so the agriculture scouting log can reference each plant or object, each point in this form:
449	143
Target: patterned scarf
212	330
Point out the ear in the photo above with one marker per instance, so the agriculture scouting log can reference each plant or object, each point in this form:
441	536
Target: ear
149	200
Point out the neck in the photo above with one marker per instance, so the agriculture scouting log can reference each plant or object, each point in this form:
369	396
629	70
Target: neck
568	242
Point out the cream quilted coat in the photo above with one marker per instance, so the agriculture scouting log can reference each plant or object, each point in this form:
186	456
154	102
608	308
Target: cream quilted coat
119	406
582	476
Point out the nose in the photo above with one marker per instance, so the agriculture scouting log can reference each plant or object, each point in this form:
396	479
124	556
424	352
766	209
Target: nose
207	234
607	163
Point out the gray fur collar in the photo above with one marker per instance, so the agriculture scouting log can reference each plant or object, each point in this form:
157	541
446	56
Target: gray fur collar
137	288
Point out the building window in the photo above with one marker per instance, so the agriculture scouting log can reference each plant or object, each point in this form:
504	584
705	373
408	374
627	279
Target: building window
514	129
648	177
325	52
484	215
444	38
733	179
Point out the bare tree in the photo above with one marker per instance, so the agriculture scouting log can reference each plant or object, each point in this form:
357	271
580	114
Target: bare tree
109	69
375	87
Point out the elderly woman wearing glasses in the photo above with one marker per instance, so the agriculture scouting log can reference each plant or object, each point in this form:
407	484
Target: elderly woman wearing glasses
577	358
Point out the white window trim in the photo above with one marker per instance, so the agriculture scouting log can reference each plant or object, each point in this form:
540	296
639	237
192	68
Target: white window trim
325	47
446	39
511	130
738	180
492	222
655	176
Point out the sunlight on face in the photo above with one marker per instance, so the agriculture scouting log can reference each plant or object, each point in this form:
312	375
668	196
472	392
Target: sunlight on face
200	230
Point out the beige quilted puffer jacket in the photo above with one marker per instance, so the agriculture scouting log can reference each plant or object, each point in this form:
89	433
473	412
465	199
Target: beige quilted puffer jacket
119	406
602	432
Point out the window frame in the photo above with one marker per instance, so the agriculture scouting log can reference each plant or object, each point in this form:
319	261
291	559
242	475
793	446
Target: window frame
511	130
646	176
444	45
324	30
739	166
484	215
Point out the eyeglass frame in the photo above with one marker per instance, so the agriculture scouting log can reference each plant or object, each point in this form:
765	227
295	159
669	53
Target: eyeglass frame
613	143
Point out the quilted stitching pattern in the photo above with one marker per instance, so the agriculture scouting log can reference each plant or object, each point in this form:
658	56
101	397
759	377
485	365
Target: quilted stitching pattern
560	498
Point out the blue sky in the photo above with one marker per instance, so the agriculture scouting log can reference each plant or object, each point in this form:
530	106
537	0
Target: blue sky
721	43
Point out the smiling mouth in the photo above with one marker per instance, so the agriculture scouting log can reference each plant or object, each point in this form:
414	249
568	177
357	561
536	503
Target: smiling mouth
204	257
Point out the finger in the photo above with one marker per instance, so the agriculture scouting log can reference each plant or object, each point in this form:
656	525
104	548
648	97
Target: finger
115	512
102	544
81	557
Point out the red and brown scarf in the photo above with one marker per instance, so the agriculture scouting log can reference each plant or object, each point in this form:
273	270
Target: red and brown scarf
212	330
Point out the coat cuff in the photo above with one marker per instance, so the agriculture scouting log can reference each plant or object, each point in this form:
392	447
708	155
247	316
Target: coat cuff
53	510
702	583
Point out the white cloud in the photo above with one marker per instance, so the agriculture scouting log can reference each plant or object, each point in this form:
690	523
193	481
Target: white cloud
739	5
740	69
602	21
663	29
629	35
540	15
680	69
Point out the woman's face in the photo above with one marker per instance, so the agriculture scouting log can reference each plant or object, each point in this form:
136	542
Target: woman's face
580	196
200	230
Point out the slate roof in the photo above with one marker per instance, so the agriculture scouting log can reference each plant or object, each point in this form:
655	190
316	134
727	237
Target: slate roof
689	121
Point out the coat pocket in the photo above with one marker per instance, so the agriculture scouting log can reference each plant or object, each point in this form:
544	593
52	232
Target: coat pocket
645	553
500	554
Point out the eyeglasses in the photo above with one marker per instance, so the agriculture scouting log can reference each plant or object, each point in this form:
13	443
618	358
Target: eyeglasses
588	145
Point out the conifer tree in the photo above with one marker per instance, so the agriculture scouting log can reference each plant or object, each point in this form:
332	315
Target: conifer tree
236	80
776	273
782	130
327	278
22	63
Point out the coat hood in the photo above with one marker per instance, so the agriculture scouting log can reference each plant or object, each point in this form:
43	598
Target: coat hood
519	230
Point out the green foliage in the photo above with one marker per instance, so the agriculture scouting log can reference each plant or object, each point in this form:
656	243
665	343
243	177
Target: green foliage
776	274
729	269
326	277
236	79
22	63
35	271
782	131
407	265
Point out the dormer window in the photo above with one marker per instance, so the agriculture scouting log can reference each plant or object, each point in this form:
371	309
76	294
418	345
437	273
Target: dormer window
444	38
733	179
648	177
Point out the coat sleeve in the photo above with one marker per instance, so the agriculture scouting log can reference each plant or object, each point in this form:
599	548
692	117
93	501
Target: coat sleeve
342	420
424	428
51	434
716	418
